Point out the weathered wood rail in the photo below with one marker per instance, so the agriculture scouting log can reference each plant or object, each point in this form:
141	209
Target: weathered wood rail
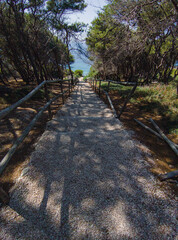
3	113
159	133
93	83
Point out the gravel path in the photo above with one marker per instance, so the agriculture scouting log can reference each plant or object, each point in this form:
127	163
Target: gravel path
87	179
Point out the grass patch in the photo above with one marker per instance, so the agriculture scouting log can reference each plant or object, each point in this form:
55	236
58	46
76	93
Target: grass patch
158	99
115	87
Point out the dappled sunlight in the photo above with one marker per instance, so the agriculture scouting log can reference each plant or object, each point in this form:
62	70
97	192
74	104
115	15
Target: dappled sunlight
88	204
127	187
106	185
87	180
121	226
85	229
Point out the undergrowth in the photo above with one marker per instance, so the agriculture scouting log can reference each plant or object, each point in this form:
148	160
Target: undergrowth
158	99
15	95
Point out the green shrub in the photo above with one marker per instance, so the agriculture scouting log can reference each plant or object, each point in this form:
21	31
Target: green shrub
78	73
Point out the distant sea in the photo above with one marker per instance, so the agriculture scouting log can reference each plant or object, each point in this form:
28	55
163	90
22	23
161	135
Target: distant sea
81	64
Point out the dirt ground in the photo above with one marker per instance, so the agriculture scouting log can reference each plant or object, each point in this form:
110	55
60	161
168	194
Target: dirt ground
12	126
165	159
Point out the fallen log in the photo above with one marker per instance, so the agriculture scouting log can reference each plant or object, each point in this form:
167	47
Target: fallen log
169	175
152	131
171	144
148	129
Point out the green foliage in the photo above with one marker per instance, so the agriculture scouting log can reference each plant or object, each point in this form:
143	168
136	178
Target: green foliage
35	37
67	5
122	90
134	39
92	73
159	99
78	73
67	72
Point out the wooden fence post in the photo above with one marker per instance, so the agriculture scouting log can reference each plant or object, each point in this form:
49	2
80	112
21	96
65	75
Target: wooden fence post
126	101
9	154
95	84
62	92
69	87
47	99
99	87
108	86
72	85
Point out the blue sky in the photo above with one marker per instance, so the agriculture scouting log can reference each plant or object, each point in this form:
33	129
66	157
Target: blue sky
90	12
87	16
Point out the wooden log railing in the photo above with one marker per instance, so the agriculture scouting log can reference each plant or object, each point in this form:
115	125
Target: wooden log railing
93	83
118	82
159	134
4	162
111	105
9	109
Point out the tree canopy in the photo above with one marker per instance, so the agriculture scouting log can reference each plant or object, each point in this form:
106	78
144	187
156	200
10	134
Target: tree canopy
134	40
34	38
78	73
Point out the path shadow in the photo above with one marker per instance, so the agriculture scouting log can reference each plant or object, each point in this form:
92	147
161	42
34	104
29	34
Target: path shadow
90	183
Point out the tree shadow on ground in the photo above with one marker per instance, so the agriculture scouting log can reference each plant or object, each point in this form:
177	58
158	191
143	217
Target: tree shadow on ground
89	183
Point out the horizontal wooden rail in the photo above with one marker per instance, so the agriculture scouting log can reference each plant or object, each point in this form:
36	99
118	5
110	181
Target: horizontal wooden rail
120	83
117	82
170	143
169	175
159	134
58	80
9	109
134	86
12	150
109	100
147	128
